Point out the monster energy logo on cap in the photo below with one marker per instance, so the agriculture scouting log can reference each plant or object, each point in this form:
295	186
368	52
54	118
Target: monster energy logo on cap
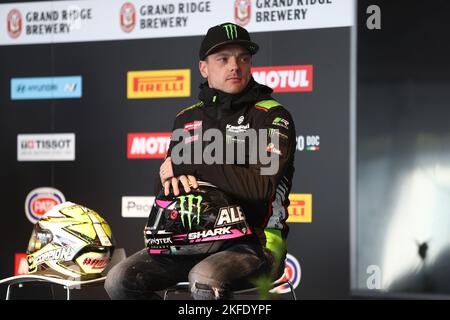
225	33
231	31
190	203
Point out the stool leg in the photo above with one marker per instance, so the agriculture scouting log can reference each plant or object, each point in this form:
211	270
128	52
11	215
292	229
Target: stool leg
166	294
52	291
67	292
292	290
8	291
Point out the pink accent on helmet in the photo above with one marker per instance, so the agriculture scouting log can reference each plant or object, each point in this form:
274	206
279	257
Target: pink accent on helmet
179	236
156	251
163	203
235	233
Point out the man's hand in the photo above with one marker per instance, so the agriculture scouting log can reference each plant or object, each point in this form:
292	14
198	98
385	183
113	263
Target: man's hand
167	179
166	171
186	181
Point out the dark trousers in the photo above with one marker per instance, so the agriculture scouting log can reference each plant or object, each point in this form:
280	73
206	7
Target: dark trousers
212	276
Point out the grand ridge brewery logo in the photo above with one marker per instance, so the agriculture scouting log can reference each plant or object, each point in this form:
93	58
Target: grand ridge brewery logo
127	17
242	12
14	23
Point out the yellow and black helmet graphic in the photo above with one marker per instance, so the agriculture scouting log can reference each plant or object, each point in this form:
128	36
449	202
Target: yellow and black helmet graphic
70	241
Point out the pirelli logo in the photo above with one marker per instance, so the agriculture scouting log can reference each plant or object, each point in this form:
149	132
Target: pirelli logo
159	84
300	208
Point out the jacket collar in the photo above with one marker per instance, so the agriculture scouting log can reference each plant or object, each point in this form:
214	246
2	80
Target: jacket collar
227	102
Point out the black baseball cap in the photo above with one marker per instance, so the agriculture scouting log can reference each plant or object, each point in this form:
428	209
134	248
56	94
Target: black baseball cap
226	33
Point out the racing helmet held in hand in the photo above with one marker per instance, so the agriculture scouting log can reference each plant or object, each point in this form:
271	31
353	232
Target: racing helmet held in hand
70	242
199	222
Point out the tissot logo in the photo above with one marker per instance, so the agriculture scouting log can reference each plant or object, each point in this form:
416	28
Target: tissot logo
285	78
159	84
148	145
46	147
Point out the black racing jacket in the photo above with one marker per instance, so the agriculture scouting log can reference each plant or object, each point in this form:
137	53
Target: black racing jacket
264	198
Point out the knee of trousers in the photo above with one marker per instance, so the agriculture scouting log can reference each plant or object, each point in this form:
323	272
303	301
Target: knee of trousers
206	287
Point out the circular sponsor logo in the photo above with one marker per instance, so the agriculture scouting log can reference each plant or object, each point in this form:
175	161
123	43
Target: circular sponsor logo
41	200
292	272
173	215
242	12
127	17
14	23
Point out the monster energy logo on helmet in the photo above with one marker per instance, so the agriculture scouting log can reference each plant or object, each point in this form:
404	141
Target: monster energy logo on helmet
190	203
231	31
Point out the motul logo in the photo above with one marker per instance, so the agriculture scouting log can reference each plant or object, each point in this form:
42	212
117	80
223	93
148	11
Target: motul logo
285	78
148	145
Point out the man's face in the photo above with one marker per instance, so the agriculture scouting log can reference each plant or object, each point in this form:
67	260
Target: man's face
227	69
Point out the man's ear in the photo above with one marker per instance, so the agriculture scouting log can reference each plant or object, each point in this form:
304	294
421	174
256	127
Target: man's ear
203	67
